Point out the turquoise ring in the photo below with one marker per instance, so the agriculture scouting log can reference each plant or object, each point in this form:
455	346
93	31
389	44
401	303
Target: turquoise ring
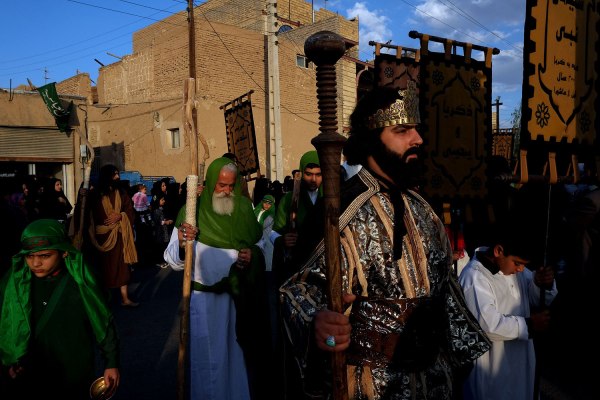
330	341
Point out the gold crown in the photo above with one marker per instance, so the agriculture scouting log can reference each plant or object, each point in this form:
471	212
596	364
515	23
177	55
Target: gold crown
404	111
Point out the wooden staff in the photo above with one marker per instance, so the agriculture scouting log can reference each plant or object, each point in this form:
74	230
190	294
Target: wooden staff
190	218
325	49
295	200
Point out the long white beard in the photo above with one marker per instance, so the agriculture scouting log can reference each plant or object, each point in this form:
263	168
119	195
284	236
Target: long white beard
223	203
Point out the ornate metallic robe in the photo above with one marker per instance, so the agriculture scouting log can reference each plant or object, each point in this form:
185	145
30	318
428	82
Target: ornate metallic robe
410	325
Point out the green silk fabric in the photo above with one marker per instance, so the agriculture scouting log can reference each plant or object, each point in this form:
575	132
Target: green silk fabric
238	231
15	309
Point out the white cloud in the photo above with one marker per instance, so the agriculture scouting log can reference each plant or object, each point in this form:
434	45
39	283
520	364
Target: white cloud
373	25
490	23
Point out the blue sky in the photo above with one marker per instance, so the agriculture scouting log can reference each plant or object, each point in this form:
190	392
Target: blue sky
51	40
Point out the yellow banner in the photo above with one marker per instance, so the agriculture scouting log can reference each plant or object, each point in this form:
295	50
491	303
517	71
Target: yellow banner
560	70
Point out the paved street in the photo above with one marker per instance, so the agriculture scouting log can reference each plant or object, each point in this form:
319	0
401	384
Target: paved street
150	336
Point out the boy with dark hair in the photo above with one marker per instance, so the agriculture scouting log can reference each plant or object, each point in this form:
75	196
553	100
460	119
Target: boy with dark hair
504	295
53	315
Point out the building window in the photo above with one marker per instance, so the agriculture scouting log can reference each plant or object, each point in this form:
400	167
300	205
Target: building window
284	28
302	61
174	138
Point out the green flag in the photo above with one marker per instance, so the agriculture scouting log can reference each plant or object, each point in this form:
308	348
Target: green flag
61	114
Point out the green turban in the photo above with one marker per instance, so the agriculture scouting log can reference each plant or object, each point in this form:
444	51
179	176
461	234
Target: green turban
310	157
237	231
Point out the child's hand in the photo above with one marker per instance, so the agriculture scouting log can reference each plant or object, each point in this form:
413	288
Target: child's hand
15	370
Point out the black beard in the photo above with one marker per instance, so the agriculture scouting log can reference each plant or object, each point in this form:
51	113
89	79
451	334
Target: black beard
405	174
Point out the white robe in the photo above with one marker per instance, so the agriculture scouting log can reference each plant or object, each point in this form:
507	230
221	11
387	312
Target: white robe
501	303
217	367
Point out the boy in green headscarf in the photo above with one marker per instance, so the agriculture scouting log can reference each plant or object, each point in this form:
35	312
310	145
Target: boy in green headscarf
264	209
53	315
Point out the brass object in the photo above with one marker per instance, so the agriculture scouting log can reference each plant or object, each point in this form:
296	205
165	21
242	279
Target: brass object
98	390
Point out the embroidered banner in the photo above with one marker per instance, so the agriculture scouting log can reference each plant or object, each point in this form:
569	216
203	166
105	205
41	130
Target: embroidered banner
502	143
241	137
456	119
60	113
396	69
561	80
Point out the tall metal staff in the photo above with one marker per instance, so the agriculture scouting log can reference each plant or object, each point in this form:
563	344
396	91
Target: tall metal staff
325	49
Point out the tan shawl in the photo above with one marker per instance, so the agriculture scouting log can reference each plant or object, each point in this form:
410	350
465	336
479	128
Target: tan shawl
123	226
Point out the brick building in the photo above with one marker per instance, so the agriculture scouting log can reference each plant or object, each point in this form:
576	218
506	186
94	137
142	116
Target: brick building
134	115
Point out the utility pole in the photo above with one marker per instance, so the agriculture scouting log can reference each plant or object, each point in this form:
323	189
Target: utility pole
497	104
275	158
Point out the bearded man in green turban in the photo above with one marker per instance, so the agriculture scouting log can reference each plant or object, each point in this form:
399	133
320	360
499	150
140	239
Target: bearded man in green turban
53	316
228	311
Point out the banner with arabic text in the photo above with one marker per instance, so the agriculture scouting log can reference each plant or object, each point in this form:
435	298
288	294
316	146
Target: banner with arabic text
60	113
560	91
455	121
241	137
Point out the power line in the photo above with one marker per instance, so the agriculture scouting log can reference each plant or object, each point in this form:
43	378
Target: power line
442	22
470	18
38	65
246	72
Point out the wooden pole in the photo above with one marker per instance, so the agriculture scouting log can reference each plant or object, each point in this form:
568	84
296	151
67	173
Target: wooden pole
325	49
190	204
190	218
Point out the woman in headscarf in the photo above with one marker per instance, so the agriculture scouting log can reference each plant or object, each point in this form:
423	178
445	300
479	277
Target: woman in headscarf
54	203
53	317
111	232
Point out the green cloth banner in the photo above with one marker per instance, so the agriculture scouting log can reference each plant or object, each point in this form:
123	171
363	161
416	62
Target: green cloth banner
50	97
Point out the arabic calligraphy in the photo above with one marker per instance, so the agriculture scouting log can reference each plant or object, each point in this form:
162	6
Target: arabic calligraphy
458	110
564	37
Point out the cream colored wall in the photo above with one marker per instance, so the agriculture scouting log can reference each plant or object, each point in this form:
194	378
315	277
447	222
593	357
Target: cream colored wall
25	109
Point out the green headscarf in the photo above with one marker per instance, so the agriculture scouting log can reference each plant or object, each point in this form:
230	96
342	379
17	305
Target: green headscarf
310	157
259	207
15	326
238	231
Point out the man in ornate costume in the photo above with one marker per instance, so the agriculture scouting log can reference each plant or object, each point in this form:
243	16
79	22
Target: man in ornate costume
229	329
53	315
407	331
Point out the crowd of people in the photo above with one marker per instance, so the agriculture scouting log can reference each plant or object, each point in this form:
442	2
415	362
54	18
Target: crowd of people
413	326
